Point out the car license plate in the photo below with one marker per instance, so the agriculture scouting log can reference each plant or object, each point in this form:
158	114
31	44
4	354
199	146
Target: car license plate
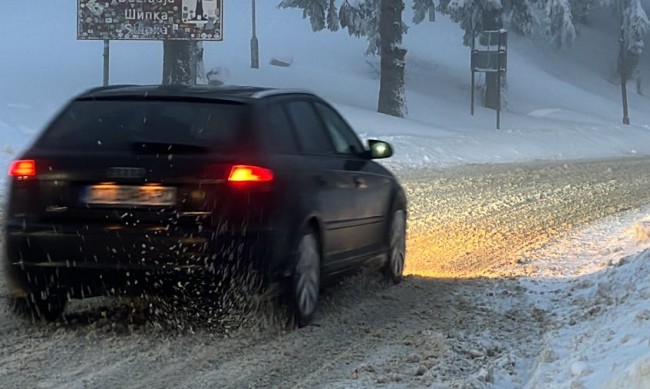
145	195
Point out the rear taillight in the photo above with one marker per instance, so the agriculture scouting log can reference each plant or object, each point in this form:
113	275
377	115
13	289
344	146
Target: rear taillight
246	173
23	168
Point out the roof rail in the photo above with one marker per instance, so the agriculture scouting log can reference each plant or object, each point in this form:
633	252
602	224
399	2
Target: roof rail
279	92
109	87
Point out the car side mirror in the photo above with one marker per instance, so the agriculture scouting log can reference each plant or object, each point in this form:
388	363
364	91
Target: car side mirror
379	149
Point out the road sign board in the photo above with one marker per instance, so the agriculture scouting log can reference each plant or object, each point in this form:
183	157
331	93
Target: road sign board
150	20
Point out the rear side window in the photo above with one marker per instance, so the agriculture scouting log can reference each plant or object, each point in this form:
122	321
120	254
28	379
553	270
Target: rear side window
345	141
276	130
310	129
121	124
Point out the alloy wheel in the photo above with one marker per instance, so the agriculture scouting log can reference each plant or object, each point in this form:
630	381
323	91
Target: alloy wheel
307	279
397	254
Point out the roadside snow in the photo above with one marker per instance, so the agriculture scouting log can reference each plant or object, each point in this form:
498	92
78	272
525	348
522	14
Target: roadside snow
599	315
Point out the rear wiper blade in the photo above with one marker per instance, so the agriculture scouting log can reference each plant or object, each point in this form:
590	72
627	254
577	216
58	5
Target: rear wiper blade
167	148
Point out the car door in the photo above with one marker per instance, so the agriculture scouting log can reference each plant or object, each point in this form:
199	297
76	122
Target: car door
371	184
332	188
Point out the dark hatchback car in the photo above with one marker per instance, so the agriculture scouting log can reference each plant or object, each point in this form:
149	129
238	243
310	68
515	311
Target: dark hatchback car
137	187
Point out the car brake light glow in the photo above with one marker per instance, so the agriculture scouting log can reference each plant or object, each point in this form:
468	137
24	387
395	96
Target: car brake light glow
245	173
23	168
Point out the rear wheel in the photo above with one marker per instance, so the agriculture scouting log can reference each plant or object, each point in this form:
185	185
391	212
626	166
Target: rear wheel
306	280
394	268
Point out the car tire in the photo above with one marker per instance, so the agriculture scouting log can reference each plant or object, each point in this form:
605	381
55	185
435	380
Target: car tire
393	269
305	285
36	308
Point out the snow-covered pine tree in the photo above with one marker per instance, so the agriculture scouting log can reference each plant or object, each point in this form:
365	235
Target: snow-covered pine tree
522	16
315	10
361	19
422	8
560	28
635	25
474	15
554	19
332	16
380	22
580	9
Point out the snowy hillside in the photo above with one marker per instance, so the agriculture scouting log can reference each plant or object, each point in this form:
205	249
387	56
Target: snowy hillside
560	104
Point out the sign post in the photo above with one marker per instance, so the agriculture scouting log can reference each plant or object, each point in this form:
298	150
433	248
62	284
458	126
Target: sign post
189	20
107	61
489	55
255	56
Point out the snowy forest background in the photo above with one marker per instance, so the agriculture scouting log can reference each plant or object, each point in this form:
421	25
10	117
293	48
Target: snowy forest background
562	57
557	22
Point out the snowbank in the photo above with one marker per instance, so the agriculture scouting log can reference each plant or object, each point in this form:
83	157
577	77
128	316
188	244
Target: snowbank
599	334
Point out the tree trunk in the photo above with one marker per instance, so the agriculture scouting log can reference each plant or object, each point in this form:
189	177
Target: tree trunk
182	62
391	90
198	65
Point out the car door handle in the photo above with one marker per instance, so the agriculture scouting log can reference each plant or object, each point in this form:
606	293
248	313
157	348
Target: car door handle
360	182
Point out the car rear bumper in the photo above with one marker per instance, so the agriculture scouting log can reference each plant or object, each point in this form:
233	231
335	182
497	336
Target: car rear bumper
87	261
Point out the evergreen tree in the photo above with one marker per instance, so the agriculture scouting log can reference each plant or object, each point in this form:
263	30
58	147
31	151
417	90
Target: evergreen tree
380	22
635	25
560	28
580	9
556	20
361	19
332	16
315	10
523	17
474	15
422	8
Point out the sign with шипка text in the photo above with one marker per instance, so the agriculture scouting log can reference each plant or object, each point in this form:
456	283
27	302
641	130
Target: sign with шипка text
150	20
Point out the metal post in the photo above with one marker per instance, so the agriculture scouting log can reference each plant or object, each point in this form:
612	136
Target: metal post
622	66
472	92
107	61
499	83
255	56
471	65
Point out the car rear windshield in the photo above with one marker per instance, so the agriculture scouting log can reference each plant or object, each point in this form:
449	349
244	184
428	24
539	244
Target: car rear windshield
133	124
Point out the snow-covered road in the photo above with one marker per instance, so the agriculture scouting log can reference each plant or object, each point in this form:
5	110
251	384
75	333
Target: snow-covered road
471	314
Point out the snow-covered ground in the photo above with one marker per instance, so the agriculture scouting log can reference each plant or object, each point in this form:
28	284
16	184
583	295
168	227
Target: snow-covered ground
601	309
561	105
